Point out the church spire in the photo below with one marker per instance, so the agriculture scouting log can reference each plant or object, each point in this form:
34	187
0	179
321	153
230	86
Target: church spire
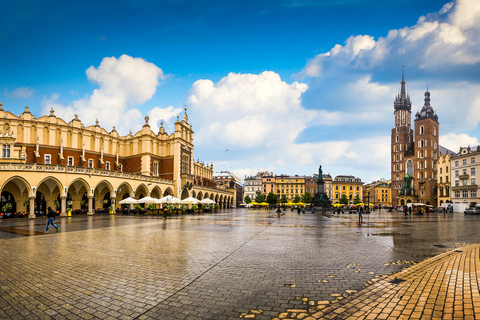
402	94
402	101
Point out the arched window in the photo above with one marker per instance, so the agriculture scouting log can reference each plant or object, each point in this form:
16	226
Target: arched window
396	137
410	167
434	131
422	130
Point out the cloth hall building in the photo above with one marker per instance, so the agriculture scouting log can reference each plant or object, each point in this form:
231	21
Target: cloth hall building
50	162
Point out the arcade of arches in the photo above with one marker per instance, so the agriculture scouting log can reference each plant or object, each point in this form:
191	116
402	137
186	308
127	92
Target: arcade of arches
88	193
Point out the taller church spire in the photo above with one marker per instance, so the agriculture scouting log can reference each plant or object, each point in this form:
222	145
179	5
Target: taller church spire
402	101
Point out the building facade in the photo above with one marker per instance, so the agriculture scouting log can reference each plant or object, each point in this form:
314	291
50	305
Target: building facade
378	193
290	186
349	186
268	184
444	182
253	184
414	152
464	167
50	162
226	180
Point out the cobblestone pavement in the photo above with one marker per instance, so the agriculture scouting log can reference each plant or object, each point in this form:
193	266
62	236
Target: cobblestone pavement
234	264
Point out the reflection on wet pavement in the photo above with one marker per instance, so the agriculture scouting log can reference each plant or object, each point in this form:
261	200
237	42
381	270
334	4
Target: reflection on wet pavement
209	266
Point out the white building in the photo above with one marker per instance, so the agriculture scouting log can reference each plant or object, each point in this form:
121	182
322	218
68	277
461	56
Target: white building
465	166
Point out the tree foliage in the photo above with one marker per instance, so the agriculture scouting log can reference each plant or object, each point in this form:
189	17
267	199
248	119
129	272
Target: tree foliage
297	199
272	198
247	199
260	197
283	199
307	197
356	200
343	199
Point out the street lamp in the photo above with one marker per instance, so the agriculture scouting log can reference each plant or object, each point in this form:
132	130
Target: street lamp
368	199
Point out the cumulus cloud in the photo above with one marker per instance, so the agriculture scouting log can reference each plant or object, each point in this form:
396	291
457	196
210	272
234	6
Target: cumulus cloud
248	110
445	39
123	84
20	93
454	141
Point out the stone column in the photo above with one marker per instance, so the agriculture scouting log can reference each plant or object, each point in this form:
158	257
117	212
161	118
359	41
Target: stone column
63	206
90	205
31	214
113	202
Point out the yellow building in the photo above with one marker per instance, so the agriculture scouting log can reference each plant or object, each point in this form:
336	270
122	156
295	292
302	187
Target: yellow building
48	162
443	180
289	186
349	186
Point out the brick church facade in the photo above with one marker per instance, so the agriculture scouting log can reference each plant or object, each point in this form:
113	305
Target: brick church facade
414	152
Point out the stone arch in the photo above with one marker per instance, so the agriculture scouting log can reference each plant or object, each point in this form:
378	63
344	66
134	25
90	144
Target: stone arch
156	192
206	195
78	192
141	191
184	194
33	133
46	135
217	197
168	192
103	191
19	189
50	188
211	196
200	195
70	139
194	194
124	188
220	201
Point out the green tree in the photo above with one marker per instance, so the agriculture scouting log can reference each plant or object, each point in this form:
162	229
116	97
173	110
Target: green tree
356	200
259	197
343	199
297	199
247	199
283	199
272	198
307	197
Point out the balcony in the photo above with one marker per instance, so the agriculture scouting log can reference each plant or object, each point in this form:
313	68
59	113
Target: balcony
57	168
469	187
463	177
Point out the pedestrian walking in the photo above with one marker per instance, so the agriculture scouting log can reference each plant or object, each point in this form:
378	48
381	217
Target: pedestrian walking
405	212
360	214
51	219
410	211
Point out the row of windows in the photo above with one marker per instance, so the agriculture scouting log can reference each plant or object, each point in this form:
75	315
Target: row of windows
291	191
457	172
473	194
464	161
464	182
351	188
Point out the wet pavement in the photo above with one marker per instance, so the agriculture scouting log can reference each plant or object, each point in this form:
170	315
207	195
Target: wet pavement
233	264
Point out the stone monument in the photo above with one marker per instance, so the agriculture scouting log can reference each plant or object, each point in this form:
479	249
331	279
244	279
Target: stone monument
321	199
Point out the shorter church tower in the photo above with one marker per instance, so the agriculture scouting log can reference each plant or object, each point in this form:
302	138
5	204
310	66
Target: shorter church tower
426	153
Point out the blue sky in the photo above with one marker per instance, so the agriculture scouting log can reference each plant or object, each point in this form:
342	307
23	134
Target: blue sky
283	85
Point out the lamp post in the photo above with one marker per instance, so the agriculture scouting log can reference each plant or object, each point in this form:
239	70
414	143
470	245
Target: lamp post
368	199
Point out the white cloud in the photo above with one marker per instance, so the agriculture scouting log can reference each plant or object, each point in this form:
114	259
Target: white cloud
248	110
124	83
20	93
454	141
158	114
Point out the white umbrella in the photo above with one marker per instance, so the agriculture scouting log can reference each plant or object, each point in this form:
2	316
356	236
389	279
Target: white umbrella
207	201
168	199
147	199
128	200
190	200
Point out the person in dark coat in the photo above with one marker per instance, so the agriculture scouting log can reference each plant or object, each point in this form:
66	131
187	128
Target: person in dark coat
51	219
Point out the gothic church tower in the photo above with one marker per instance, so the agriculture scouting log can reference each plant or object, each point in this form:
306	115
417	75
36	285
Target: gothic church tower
402	139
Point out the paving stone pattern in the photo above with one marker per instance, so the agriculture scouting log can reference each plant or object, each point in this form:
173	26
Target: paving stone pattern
235	264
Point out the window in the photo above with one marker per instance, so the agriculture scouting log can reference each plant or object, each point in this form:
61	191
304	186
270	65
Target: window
107	165
441	180
90	163
457	183
464	183
464	161
440	170
464	171
446	179
446	169
48	159
473	160
155	168
457	194
472	181
473	194
456	163
465	194
457	173
120	167
472	171
6	151
70	161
